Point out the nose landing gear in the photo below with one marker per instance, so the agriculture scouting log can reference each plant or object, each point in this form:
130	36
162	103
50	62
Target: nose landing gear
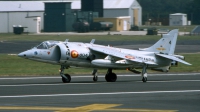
144	73
66	78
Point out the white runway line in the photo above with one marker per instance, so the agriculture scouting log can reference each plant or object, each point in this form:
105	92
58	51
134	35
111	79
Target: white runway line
20	85
25	78
111	93
176	81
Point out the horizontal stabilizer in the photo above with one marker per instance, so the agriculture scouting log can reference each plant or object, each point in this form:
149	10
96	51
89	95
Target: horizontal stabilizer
173	58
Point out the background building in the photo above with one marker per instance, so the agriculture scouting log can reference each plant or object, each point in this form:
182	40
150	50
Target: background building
20	13
58	17
119	23
93	5
117	8
178	19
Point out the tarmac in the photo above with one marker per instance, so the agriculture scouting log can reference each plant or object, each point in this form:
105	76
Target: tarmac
162	93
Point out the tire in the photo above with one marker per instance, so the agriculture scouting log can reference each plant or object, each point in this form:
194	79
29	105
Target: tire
66	80
111	77
144	79
95	78
107	77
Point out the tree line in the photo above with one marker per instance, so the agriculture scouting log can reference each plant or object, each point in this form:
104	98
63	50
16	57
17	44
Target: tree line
159	10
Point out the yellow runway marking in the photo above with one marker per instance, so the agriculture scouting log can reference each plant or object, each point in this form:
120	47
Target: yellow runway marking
87	108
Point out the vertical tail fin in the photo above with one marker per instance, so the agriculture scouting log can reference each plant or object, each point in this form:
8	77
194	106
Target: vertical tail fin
166	45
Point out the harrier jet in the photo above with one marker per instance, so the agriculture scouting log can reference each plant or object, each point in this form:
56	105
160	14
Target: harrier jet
159	57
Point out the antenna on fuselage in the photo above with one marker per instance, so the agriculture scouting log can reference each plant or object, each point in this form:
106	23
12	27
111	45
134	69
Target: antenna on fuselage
92	41
67	40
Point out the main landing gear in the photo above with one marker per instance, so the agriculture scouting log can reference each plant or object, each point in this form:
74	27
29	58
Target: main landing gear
144	73
66	78
110	76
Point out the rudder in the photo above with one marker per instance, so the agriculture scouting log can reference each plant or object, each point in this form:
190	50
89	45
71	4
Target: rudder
166	45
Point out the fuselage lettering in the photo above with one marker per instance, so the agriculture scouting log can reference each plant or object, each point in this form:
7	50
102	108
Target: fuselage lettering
83	55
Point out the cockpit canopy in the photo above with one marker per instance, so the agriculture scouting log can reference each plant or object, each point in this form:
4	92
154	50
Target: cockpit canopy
47	44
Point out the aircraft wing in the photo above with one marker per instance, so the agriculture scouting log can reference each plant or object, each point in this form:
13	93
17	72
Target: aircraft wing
117	53
173	58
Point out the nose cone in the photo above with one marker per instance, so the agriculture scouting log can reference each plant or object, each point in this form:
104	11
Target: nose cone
24	54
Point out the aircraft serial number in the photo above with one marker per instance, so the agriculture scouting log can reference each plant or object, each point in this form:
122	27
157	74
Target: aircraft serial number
82	55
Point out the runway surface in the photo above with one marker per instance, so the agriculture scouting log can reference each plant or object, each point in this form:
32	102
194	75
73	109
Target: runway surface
163	92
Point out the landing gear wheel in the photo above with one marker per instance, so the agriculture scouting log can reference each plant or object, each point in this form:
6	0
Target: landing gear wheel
94	73
112	77
66	79
95	78
107	77
144	73
144	79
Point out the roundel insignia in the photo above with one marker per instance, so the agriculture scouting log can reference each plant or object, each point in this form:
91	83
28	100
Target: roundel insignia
74	54
35	53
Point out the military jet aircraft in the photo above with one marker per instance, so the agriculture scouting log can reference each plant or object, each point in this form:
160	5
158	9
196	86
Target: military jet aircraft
159	57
